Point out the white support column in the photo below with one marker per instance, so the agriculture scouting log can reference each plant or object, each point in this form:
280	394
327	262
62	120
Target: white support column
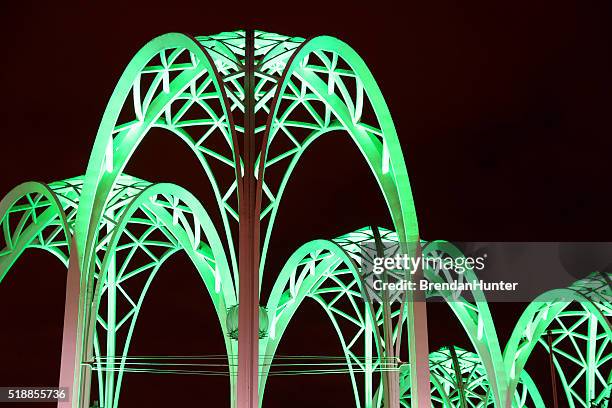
69	369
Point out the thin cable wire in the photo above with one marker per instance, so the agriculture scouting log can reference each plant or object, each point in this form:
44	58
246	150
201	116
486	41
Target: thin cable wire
235	365
327	365
223	373
223	356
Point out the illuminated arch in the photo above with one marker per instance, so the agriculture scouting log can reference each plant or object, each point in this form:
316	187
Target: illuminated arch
206	72
155	222
40	223
319	270
313	266
475	317
303	84
43	223
187	76
581	355
214	61
592	295
47	214
459	380
294	123
195	88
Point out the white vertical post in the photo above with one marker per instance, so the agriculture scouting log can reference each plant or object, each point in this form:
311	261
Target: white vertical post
69	368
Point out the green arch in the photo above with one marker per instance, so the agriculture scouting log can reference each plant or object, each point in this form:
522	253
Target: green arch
477	323
394	184
393	181
29	232
278	327
535	320
444	373
98	182
226	295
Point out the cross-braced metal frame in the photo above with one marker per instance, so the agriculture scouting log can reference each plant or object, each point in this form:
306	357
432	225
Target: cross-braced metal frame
249	104
459	380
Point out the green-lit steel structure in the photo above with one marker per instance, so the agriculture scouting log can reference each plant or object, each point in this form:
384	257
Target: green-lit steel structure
249	104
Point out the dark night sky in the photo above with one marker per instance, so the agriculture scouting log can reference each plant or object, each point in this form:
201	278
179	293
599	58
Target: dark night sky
502	109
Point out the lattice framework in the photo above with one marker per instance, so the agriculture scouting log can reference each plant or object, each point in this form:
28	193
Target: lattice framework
126	228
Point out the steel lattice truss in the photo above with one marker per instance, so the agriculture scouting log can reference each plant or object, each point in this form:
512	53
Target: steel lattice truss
117	231
459	379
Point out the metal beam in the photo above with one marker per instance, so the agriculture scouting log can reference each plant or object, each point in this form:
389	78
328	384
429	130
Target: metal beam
248	248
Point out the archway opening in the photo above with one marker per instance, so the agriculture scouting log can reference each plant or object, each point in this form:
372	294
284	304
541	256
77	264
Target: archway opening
310	339
331	192
177	320
163	157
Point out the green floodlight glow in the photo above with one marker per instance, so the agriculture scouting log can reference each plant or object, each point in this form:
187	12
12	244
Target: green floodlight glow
114	232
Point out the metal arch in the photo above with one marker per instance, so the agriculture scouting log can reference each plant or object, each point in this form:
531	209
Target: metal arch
327	271
286	74
61	200
183	220
529	389
367	333
43	209
581	342
542	312
439	397
475	318
378	143
461	381
116	142
48	206
223	65
306	271
103	363
186	234
380	146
